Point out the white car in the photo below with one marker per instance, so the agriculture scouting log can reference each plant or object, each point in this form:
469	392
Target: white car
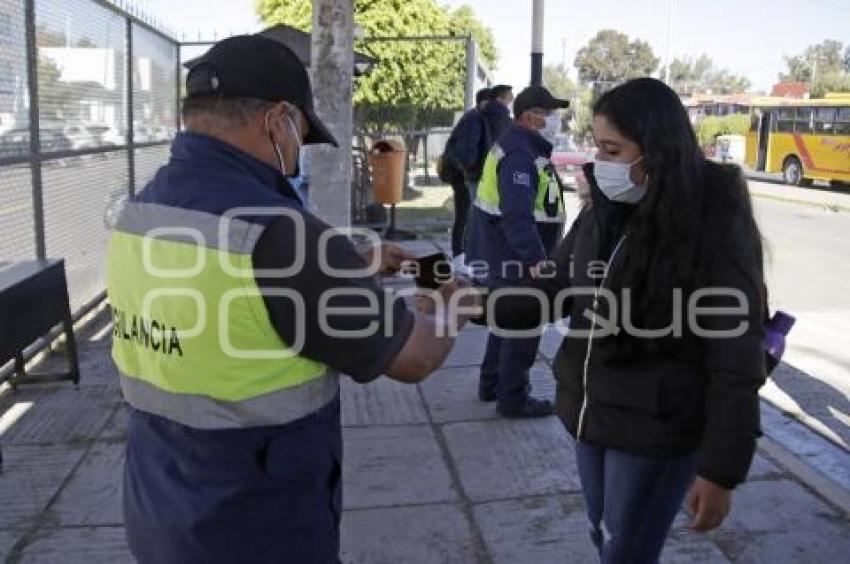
107	135
80	137
162	133
143	134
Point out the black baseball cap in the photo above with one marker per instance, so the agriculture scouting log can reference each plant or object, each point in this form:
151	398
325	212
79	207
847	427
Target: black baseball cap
537	97
500	90
253	66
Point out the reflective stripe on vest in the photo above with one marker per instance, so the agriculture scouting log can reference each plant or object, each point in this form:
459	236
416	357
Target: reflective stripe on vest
204	412
192	337
487	197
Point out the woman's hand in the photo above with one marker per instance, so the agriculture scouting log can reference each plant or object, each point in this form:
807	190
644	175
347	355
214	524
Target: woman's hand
709	504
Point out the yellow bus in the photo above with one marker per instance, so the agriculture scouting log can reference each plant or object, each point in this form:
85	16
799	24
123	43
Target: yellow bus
805	140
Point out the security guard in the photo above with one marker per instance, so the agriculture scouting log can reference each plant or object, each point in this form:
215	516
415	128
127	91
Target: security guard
517	217
234	311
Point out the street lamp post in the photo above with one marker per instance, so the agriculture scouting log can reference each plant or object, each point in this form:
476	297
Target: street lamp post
670	16
537	44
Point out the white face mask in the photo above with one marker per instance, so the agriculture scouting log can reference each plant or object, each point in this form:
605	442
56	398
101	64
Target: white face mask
615	181
552	127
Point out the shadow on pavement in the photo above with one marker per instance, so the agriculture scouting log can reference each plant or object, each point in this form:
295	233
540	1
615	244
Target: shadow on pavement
816	399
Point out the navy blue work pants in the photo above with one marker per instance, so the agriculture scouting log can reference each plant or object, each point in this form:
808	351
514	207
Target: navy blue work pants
261	495
506	366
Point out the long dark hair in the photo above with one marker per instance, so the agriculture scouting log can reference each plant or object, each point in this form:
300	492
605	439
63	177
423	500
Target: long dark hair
676	230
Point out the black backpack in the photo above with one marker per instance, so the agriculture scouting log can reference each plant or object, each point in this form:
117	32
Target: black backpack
460	161
447	169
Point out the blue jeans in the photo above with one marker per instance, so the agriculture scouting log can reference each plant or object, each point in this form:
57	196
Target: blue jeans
631	500
505	368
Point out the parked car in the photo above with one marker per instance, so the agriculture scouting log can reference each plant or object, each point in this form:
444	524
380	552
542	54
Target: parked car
80	137
567	158
107	135
143	134
16	142
162	133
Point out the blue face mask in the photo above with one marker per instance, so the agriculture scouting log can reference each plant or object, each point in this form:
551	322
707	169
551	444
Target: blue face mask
615	181
300	183
279	153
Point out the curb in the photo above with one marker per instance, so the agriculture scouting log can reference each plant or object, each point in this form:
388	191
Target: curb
826	488
823	206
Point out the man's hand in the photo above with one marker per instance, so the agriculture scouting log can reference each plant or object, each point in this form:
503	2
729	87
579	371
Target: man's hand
391	258
709	504
430	303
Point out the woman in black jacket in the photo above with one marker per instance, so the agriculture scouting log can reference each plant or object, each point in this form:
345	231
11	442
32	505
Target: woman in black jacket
661	277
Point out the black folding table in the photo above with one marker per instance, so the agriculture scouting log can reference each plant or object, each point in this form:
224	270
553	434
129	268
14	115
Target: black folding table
33	301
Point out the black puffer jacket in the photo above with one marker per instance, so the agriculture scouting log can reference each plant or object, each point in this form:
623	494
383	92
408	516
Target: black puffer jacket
700	395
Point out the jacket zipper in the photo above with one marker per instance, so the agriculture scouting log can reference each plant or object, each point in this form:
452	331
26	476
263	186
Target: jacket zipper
596	292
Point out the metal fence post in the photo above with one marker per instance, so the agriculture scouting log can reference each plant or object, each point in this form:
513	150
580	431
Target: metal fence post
35	141
178	79
471	69
131	143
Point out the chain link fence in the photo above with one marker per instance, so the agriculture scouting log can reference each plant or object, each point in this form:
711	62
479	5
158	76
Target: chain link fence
88	105
89	102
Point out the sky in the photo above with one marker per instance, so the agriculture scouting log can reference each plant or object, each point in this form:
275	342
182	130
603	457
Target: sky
749	37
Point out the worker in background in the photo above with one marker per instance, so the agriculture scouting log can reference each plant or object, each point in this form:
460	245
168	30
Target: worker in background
516	219
450	171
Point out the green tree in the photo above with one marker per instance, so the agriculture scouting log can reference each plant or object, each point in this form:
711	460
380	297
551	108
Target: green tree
826	56
725	82
689	76
555	79
414	84
826	66
712	126
830	82
583	113
612	57
462	21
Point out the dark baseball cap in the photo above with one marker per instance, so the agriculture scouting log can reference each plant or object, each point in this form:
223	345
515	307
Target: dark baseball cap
537	97
253	66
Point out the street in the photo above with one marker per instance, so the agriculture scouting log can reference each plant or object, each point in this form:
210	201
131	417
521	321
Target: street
807	251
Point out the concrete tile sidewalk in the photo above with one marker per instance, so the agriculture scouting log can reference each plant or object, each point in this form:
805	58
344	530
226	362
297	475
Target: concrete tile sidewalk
431	476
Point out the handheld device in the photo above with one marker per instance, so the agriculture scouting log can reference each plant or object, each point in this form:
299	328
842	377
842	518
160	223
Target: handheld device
432	271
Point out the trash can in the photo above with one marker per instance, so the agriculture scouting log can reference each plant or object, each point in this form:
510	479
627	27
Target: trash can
387	161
